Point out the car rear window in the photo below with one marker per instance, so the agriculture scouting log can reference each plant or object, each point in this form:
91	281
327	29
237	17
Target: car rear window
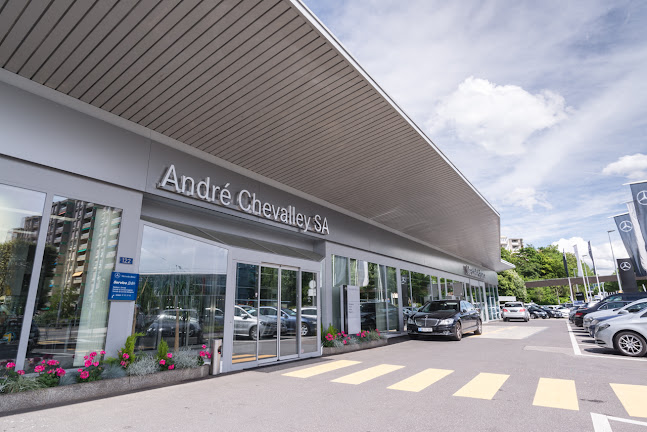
513	305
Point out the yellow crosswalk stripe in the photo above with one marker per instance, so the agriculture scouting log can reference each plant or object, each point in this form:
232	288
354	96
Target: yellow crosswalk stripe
483	386
322	368
367	374
421	381
633	398
556	393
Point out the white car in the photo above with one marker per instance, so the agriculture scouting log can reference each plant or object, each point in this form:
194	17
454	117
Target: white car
589	317
515	310
626	334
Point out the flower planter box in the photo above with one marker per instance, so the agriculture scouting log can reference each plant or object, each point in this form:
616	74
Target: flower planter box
349	348
83	392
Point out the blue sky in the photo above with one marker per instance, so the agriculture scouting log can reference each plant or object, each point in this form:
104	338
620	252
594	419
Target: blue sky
542	105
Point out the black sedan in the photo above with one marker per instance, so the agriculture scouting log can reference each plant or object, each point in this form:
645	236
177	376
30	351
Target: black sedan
445	318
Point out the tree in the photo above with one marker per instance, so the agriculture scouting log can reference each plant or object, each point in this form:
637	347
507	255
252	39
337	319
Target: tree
511	284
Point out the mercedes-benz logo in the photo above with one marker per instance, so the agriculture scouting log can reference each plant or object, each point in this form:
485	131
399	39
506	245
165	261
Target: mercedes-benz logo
641	197
626	226
625	266
117	275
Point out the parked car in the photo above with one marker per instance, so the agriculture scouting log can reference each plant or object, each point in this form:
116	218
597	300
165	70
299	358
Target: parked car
248	323
626	334
289	321
408	310
592	320
445	317
168	321
309	312
515	310
610	302
562	312
537	312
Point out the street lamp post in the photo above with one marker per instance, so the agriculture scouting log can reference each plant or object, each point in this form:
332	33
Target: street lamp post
615	264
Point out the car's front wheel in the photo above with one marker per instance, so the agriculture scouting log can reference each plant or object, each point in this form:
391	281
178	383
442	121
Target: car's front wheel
252	333
631	344
304	329
458	332
479	328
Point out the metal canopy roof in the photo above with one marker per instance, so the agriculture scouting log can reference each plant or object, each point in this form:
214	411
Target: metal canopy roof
260	84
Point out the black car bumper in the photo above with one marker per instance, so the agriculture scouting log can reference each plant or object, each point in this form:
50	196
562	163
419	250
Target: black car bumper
441	330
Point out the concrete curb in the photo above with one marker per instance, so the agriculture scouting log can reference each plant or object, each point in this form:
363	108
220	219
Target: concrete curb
45	398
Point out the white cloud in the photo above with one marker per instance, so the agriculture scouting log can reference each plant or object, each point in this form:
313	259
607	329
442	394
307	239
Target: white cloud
601	252
527	198
500	118
633	167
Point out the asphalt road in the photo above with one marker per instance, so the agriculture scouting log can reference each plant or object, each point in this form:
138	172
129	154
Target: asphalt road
515	377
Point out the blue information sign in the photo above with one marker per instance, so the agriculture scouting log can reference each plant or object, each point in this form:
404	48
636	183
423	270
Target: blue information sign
123	286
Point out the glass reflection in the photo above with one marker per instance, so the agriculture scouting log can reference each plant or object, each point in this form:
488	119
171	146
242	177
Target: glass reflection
72	300
21	213
181	291
289	324
245	316
268	306
309	340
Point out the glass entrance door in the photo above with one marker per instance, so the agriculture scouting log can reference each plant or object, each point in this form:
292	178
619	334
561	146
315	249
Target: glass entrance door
268	320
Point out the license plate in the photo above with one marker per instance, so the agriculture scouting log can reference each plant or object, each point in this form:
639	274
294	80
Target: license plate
426	329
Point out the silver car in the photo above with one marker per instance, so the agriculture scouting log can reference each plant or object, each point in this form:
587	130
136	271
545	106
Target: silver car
619	310
626	334
515	310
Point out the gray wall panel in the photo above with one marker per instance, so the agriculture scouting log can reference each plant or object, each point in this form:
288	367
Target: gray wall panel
41	131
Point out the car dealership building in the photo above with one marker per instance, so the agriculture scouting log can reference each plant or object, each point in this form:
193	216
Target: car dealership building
233	159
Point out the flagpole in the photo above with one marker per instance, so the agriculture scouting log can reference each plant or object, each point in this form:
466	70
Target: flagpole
568	276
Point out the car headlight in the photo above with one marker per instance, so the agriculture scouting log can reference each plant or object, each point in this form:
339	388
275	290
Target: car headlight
603	327
448	321
594	322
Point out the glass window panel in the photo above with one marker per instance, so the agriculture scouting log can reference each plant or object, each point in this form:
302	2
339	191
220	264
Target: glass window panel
72	301
181	295
406	288
450	287
290	327
245	316
21	212
420	289
340	272
391	300
435	288
268	324
309	341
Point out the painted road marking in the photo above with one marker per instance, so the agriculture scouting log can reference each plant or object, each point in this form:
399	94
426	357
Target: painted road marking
556	393
513	332
367	374
421	381
633	398
483	386
322	368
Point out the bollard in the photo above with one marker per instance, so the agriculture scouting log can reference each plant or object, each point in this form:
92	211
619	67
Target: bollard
216	351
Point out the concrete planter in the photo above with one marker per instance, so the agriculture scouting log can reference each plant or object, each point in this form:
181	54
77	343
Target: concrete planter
94	390
349	348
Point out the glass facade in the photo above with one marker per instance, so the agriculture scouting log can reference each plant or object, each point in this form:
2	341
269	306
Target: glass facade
181	296
21	213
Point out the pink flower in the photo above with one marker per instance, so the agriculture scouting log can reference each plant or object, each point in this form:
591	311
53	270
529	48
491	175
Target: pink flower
95	364
162	362
208	355
87	363
60	372
85	357
50	371
20	372
39	368
345	341
204	346
125	356
85	374
329	337
52	362
123	363
169	355
93	354
102	352
11	365
80	370
171	367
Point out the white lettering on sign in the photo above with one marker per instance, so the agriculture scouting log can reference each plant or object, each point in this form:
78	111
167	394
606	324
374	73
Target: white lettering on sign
474	272
245	201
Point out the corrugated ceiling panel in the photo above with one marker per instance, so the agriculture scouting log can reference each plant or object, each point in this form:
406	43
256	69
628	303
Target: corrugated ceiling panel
255	83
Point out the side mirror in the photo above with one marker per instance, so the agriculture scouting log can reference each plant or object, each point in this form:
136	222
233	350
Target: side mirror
623	312
245	316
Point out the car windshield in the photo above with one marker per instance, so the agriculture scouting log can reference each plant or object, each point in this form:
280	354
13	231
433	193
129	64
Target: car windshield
440	306
289	312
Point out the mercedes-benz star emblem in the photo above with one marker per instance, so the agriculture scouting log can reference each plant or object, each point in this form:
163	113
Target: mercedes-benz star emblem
625	266
626	226
641	197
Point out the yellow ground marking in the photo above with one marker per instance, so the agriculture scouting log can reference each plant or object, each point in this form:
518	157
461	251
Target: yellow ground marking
266	356
501	329
421	381
242	360
322	368
483	386
633	398
556	393
367	374
243	355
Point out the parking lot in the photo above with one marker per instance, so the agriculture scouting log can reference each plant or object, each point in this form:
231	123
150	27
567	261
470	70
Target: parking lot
515	373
